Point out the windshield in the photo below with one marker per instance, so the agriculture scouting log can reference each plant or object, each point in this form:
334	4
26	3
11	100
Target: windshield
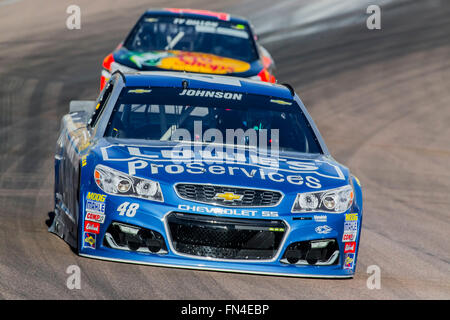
220	38
206	116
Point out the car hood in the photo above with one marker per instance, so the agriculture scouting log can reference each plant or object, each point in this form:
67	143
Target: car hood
290	172
176	60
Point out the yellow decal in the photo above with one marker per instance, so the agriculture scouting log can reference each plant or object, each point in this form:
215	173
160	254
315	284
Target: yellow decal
90	240
348	260
228	196
83	160
239	27
96	197
139	91
202	63
281	102
357	181
351	217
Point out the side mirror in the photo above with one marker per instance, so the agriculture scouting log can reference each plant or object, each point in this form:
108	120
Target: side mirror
87	106
268	61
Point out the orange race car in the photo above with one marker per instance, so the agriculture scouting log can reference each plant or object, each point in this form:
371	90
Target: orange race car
193	41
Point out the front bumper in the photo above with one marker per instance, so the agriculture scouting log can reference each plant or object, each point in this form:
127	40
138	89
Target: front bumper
154	216
263	268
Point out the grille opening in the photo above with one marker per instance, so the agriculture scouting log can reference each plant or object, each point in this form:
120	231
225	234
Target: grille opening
315	252
133	238
225	238
248	197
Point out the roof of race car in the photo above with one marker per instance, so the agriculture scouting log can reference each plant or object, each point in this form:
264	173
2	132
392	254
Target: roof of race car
205	81
200	14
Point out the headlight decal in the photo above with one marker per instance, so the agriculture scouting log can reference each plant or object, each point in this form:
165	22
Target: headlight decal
336	200
117	183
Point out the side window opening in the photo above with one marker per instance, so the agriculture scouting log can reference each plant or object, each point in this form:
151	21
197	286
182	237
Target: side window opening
101	103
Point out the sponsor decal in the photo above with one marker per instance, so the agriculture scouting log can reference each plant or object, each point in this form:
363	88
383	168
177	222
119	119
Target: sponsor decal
211	94
93	227
239	27
193	159
95	217
323	229
188	61
89	240
357	181
321	218
350	247
351	217
139	91
194	22
349	261
349	236
202	63
266	174
83	161
228	196
219	15
350	226
96	197
227	211
148	59
282	102
302	218
95	207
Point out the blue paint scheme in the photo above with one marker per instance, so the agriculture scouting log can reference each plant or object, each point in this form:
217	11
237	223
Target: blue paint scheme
81	147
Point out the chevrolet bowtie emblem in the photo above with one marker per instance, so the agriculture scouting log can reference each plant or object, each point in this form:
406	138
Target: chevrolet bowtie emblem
228	196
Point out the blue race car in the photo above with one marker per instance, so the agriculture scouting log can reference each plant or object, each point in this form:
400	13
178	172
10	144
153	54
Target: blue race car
204	172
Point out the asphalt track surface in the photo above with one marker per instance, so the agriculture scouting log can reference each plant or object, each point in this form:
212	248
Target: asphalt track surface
380	98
